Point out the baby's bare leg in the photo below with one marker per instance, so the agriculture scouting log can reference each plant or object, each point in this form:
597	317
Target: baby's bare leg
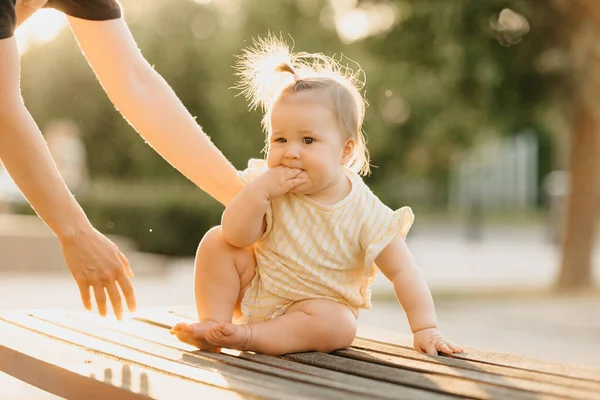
222	272
309	325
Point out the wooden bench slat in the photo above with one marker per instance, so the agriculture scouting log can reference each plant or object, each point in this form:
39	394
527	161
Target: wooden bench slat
429	381
167	319
67	353
241	381
221	362
457	364
266	364
470	374
441	383
76	373
493	358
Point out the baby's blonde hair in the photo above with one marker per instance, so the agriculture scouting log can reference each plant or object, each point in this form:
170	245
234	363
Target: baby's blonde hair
269	71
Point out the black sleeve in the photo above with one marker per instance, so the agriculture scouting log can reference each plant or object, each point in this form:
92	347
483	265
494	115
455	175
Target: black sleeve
8	19
94	10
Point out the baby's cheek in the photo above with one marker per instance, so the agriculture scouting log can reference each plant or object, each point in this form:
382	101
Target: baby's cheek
272	163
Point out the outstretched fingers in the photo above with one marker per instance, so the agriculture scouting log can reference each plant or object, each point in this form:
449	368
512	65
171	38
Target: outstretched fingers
100	298
126	265
128	292
115	299
84	291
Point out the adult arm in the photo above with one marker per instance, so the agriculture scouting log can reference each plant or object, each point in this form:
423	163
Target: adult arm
92	258
149	104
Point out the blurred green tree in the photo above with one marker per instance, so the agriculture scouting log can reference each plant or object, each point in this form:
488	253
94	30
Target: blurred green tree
441	77
437	79
580	24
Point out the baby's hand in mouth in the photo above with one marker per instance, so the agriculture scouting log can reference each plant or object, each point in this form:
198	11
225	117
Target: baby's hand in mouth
302	175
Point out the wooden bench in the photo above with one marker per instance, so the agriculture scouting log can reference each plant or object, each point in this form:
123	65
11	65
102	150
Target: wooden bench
82	356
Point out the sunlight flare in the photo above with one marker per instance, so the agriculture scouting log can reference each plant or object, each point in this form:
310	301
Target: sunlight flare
42	27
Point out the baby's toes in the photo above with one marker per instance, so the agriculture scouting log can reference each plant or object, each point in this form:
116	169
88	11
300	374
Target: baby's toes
213	335
226	329
177	328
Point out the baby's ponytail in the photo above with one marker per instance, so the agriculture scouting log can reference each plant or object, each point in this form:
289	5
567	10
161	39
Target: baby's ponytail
264	71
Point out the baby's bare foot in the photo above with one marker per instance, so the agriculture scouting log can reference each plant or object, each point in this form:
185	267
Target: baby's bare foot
231	336
194	334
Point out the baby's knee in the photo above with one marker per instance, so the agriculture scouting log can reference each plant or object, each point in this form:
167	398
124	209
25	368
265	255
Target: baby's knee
339	330
345	332
212	240
337	339
214	250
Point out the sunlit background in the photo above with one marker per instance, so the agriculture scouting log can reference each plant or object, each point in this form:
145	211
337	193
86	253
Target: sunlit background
469	123
42	27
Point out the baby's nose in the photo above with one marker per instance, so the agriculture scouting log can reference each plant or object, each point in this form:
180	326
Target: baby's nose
292	152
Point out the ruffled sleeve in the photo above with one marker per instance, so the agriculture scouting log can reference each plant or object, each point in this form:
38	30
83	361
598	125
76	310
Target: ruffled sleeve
385	227
256	168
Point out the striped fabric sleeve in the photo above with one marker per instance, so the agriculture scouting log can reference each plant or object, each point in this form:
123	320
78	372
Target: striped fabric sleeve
255	168
382	229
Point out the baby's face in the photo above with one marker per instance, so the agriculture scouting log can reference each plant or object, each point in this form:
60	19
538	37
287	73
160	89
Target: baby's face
305	135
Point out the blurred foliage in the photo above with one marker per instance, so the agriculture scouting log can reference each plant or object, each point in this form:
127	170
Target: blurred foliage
161	217
439	79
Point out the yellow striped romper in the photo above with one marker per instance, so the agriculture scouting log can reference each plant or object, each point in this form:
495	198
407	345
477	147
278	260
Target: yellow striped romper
313	251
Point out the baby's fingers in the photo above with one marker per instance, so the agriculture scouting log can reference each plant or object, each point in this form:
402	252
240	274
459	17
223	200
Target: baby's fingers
426	348
292	172
292	183
447	347
454	347
443	347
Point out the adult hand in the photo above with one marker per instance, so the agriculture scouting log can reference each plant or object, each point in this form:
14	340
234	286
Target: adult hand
96	262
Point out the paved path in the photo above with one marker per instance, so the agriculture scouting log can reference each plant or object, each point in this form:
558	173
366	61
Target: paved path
506	257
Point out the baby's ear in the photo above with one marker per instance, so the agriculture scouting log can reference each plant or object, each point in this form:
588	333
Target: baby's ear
348	151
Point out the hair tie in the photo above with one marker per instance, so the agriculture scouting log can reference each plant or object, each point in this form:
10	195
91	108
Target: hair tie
296	76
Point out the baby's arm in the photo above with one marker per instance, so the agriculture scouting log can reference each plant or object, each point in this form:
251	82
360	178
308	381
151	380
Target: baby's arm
243	221
396	263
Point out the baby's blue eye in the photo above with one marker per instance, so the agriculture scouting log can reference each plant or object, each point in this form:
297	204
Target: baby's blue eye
280	140
308	140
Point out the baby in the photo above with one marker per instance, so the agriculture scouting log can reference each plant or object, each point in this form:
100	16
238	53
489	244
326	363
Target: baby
289	269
